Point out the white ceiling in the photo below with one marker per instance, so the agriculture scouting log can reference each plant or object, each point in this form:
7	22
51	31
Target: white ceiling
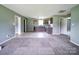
40	10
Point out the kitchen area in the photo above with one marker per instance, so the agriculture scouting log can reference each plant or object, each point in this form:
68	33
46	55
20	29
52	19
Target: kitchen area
39	25
45	25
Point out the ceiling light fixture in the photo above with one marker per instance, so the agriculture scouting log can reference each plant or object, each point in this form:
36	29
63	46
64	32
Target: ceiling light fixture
62	11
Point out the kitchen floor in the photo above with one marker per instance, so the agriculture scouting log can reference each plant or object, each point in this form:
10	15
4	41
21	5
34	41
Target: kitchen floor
39	43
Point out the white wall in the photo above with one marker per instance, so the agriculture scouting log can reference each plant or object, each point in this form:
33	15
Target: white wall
64	25
56	25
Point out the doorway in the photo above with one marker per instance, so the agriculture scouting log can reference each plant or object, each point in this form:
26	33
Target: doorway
25	25
17	24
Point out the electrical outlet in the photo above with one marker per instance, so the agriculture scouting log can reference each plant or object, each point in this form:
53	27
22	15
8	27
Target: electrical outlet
7	36
72	24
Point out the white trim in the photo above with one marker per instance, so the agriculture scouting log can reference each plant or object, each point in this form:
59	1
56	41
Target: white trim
19	25
7	40
74	42
18	22
0	47
55	33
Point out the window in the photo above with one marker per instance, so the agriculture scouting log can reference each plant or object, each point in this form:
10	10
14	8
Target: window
40	22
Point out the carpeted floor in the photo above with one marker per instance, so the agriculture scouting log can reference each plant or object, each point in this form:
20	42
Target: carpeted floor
39	44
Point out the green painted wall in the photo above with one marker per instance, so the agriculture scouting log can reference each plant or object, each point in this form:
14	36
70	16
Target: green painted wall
75	24
30	25
6	23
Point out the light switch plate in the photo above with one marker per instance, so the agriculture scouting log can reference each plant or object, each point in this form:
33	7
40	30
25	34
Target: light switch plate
73	24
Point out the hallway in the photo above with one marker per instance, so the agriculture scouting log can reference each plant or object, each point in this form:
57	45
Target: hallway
39	43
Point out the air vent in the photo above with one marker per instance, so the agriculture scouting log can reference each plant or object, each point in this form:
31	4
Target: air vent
62	11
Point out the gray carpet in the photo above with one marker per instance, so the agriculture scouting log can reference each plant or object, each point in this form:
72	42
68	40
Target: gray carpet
39	44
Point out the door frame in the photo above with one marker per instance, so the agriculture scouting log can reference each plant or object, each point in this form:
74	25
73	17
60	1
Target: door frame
17	24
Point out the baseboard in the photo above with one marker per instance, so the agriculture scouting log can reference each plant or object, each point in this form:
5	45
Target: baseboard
55	33
7	40
74	42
